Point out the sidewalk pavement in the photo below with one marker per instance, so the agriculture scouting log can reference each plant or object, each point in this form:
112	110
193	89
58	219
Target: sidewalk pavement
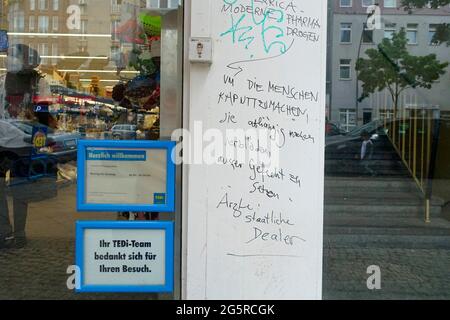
39	270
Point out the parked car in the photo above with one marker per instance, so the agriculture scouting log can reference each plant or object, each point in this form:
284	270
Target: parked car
16	142
374	128
124	132
332	129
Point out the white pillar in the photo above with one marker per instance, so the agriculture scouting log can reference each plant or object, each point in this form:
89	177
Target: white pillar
256	233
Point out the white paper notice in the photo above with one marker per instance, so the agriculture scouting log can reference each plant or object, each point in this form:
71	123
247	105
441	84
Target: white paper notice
124	257
125	176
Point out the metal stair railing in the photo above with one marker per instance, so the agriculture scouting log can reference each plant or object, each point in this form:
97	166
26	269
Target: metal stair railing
414	134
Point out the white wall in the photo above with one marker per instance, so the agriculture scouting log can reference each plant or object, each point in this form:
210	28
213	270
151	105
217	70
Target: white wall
226	255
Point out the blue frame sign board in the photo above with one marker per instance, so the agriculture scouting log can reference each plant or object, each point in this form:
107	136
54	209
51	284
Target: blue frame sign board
126	176
125	256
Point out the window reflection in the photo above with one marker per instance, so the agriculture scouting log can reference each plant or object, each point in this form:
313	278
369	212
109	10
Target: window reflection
69	70
386	167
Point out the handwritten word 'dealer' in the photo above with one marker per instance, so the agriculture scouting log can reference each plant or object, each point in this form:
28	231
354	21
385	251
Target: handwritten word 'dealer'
277	236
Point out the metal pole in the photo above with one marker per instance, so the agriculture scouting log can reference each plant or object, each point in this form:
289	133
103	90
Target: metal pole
357	78
432	161
427	211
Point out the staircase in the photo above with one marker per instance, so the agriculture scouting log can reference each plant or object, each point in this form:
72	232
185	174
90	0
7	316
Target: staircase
376	217
381	211
386	209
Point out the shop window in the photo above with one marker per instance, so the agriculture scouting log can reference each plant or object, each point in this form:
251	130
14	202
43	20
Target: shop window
78	84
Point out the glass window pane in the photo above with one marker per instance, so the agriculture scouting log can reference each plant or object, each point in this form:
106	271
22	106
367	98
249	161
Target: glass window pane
97	71
386	179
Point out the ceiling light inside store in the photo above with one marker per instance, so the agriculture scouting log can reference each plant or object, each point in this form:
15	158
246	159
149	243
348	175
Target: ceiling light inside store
38	34
66	57
97	71
103	80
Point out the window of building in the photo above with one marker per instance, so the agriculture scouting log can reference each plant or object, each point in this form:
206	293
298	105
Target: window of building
43	4
43	24
31	23
32	5
431	33
43	52
347	119
346	32
19	22
345	3
31	54
54	53
55	5
389	30
368	3
411	33
114	26
55	23
386	114
345	69
390	3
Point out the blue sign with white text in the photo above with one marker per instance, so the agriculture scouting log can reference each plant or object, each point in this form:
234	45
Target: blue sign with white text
116	155
126	176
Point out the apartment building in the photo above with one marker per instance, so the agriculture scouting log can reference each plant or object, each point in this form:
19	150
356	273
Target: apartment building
38	24
349	38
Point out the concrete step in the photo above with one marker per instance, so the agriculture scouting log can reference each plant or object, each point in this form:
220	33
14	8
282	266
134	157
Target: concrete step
404	241
393	199
372	182
379	154
379	170
349	221
414	226
372	163
355	174
391	231
380	209
370	193
378	202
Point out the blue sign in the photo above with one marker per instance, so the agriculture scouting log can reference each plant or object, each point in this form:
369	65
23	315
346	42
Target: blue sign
125	256
41	108
38	140
159	198
4	41
126	176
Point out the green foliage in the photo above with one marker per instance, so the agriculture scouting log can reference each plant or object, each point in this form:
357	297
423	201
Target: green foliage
411	4
442	34
143	65
392	67
443	31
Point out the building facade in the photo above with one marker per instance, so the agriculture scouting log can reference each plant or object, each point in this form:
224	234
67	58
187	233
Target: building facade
349	39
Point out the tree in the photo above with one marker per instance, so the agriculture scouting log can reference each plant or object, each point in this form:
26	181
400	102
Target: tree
411	4
443	30
391	67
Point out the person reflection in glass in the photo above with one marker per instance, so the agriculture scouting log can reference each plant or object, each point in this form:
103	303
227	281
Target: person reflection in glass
19	86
